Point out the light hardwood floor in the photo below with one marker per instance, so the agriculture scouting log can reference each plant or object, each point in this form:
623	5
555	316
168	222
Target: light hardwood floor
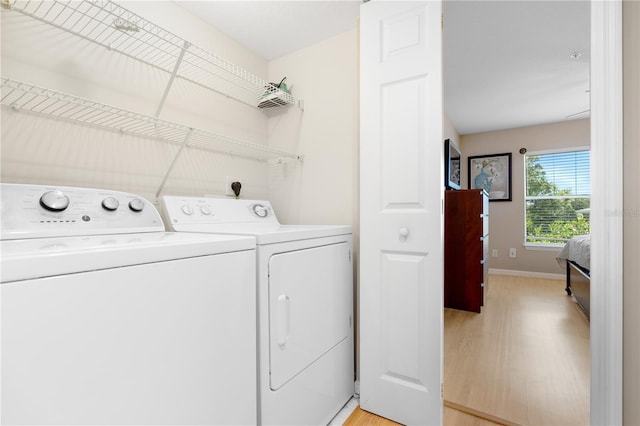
523	360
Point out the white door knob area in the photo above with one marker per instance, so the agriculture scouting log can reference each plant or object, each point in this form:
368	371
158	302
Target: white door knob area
404	232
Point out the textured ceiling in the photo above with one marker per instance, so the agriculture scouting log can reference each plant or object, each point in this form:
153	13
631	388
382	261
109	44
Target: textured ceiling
506	63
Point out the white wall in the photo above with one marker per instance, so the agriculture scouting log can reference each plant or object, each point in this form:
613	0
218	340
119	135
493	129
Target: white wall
631	336
44	150
323	189
450	131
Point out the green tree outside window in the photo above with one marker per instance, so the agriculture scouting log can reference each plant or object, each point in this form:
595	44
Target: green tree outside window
557	197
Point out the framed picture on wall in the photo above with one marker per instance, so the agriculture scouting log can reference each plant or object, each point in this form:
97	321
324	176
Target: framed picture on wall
491	173
452	166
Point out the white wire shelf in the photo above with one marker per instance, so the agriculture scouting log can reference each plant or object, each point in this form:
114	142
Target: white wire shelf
21	96
110	25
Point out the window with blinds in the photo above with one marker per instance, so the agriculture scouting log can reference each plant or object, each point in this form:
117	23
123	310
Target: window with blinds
557	196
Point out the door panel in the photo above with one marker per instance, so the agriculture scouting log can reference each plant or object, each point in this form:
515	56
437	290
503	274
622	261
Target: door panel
401	219
401	131
403	287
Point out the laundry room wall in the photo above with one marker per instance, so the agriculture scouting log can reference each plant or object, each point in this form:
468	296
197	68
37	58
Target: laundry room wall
323	188
37	149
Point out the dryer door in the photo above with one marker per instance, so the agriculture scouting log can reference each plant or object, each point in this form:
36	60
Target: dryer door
310	307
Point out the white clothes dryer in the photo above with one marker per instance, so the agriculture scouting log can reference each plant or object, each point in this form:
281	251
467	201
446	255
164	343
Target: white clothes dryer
305	305
108	319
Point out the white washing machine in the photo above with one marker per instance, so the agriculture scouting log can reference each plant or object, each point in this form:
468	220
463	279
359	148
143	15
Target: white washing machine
107	319
305	305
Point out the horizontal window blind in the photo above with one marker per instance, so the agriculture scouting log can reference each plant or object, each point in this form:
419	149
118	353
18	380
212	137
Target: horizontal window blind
557	196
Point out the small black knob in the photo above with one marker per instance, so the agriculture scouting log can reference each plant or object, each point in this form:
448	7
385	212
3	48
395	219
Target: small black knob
236	186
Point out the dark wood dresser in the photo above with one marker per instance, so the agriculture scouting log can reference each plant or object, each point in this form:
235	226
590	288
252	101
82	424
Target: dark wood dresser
466	248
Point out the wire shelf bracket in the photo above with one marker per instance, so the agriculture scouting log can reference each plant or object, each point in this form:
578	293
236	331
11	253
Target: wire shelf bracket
173	163
172	78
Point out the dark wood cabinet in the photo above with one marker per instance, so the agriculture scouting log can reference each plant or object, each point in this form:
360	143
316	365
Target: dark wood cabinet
466	248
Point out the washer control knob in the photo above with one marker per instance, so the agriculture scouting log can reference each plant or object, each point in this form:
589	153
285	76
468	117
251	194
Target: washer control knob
136	205
110	204
54	201
260	210
205	210
187	209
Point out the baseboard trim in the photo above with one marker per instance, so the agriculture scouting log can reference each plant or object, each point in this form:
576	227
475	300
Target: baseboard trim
528	274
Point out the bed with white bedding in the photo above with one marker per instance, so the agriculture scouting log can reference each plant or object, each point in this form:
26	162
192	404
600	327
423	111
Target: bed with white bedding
576	254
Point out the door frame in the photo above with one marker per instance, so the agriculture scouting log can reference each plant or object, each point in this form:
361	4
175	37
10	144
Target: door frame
606	341
606	212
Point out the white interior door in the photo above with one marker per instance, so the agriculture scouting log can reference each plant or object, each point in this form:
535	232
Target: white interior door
401	181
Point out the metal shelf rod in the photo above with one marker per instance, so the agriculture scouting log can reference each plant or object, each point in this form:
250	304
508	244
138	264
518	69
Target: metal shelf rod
171	79
173	163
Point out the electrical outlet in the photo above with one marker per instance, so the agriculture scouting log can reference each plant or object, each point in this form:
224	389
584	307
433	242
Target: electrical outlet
512	252
227	185
494	253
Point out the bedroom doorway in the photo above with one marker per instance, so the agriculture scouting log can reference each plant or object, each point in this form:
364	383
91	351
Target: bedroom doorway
606	148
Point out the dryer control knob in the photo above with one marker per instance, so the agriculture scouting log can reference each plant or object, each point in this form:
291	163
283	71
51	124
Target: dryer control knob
54	201
187	209
110	204
205	210
136	205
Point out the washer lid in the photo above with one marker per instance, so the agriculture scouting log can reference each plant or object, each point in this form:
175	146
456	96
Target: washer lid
269	233
44	257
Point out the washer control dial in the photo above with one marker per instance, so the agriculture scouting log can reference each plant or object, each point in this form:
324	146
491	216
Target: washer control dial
187	209
260	210
136	205
205	210
54	201
110	203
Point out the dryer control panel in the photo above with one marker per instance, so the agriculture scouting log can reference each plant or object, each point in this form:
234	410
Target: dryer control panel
39	211
202	210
